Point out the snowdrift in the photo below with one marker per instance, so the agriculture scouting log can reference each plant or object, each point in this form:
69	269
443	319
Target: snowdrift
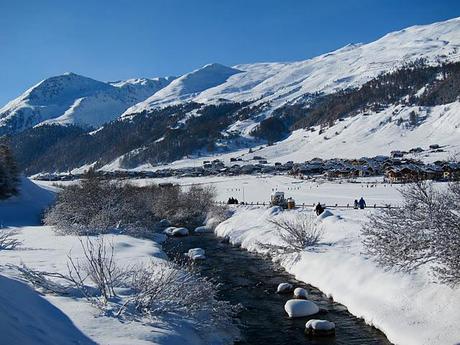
27	318
27	207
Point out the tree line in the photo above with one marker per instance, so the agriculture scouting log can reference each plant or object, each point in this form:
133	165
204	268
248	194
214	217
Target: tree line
9	172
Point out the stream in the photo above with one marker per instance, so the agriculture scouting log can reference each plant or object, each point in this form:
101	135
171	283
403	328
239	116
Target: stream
251	280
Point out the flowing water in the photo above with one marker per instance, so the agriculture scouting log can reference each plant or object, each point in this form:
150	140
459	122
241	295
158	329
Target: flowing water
251	280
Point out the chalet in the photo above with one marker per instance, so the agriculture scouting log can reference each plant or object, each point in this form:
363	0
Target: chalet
451	171
365	171
339	173
402	174
431	172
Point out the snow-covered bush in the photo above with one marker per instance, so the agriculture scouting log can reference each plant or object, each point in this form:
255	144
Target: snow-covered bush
299	231
184	208
7	240
98	206
216	215
425	230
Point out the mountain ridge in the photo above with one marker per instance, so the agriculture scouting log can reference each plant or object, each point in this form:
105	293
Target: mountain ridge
405	80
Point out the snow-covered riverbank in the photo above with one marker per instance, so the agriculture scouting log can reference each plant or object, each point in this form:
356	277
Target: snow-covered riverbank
408	308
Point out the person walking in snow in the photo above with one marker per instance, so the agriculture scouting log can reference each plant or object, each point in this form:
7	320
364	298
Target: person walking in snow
362	203
319	209
356	204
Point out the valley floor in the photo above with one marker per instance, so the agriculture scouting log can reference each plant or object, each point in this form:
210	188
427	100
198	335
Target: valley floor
409	308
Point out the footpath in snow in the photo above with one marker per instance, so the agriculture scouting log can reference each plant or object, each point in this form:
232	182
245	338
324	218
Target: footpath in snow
409	308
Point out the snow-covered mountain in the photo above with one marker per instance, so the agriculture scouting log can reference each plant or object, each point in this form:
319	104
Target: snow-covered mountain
397	93
74	99
349	66
188	86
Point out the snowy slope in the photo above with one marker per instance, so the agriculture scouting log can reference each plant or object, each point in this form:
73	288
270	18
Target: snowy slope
363	135
27	318
188	86
27	207
351	65
74	99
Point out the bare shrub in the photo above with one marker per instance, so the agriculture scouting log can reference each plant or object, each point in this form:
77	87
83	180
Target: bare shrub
47	281
8	241
425	230
216	215
169	288
184	208
154	290
299	231
95	276
98	206
98	266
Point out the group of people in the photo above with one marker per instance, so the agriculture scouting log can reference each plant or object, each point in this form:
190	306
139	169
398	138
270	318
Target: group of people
361	204
232	201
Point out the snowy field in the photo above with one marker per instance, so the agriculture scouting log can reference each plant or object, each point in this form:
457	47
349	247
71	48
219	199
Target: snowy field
257	189
26	317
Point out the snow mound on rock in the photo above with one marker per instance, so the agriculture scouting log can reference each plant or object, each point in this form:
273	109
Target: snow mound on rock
322	325
196	254
300	308
300	293
284	288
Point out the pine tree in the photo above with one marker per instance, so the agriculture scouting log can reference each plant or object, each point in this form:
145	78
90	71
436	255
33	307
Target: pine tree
9	172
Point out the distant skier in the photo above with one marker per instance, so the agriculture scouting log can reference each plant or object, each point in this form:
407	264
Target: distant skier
319	209
356	204
362	203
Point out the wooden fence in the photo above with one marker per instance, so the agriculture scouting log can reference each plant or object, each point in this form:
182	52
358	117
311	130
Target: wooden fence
306	205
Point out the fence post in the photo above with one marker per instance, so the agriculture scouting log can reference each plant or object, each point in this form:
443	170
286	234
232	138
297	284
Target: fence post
348	205
375	206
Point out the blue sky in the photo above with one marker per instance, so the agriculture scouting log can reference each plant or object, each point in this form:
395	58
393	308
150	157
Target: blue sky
120	39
